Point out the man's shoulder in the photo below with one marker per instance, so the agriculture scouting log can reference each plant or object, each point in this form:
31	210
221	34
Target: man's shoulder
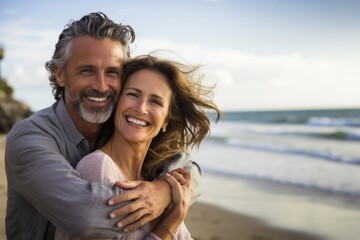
41	121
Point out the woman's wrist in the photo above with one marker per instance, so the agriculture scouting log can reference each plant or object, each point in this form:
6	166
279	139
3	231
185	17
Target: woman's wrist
166	228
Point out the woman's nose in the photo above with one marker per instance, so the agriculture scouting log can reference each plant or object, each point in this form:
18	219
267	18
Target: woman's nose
142	107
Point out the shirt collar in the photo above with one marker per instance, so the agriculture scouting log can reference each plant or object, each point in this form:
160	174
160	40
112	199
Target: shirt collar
67	123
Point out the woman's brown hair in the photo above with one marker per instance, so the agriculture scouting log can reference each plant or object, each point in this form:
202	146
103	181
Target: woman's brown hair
188	122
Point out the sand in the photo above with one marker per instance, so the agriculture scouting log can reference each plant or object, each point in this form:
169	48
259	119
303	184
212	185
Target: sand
253	205
208	222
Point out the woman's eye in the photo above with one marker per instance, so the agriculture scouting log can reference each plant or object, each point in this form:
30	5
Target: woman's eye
157	103
132	94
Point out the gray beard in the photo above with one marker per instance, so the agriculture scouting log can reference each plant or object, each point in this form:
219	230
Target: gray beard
94	115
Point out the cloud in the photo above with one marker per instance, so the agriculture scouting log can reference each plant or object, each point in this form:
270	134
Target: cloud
294	80
26	51
244	80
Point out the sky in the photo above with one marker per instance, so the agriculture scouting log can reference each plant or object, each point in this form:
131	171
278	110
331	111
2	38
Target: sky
259	54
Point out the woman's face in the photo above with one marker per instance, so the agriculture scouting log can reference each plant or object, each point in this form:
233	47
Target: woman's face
143	106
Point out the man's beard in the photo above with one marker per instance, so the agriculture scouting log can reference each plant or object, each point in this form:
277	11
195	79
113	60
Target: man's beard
93	114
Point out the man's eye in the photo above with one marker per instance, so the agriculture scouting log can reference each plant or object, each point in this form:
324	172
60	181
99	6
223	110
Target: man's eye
114	73
86	71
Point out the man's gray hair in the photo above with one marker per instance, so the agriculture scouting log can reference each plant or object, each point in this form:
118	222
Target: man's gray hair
96	25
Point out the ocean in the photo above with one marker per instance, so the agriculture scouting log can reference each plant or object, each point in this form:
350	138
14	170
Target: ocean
316	149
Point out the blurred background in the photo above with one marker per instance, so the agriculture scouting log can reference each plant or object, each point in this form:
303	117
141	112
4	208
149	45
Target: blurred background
287	77
263	55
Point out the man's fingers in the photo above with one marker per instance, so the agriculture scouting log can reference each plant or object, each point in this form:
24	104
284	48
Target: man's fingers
126	196
134	220
147	201
128	208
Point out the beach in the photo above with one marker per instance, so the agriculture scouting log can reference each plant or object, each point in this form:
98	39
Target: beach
250	209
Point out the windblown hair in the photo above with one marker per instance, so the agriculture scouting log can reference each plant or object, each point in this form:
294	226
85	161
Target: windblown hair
96	25
188	122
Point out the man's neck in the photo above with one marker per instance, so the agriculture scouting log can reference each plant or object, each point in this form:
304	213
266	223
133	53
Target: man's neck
90	131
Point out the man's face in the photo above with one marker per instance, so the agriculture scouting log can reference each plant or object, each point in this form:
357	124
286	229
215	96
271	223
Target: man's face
91	78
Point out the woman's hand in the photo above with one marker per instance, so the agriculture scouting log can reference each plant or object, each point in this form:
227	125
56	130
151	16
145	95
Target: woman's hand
180	181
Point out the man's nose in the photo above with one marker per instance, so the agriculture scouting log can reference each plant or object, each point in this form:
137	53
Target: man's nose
101	83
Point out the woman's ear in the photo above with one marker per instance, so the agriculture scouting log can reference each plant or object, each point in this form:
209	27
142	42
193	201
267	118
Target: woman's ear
163	127
59	75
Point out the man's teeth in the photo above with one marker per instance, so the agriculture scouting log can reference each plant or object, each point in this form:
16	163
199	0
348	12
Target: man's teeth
97	99
136	121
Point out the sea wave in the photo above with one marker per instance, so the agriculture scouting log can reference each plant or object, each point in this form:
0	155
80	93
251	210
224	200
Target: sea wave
280	165
326	121
321	117
297	151
225	129
350	190
324	154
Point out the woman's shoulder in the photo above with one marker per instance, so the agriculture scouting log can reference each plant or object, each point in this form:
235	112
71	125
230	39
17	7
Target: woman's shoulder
98	166
97	158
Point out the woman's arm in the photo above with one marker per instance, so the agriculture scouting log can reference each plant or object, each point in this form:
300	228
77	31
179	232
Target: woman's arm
181	191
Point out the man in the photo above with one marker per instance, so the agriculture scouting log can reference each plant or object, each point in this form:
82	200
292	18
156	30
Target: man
44	190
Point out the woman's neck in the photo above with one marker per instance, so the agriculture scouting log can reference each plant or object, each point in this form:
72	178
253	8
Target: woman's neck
128	156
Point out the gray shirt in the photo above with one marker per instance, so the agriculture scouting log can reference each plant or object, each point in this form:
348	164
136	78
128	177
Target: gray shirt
44	189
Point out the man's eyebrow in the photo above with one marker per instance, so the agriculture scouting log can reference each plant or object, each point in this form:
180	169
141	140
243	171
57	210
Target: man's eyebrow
86	66
117	68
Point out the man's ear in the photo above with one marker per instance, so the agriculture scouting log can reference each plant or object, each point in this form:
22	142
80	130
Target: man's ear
59	75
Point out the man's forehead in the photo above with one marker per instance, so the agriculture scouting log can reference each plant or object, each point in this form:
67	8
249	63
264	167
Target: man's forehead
89	50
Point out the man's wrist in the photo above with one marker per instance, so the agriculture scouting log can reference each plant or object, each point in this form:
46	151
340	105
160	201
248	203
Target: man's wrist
164	187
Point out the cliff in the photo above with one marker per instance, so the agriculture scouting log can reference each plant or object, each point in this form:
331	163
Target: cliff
11	110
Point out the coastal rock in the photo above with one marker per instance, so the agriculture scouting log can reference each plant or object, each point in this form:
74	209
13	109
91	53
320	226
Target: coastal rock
11	111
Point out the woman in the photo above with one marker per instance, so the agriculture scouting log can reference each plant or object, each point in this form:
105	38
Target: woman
160	114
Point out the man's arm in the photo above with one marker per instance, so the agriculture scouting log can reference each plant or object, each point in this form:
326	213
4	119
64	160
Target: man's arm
38	172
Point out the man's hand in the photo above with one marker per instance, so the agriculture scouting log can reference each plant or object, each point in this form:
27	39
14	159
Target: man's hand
148	201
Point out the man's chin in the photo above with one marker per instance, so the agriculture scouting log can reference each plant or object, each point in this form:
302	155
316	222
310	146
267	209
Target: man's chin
96	116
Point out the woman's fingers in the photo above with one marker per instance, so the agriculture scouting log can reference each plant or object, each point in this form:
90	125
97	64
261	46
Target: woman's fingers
182	176
174	184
